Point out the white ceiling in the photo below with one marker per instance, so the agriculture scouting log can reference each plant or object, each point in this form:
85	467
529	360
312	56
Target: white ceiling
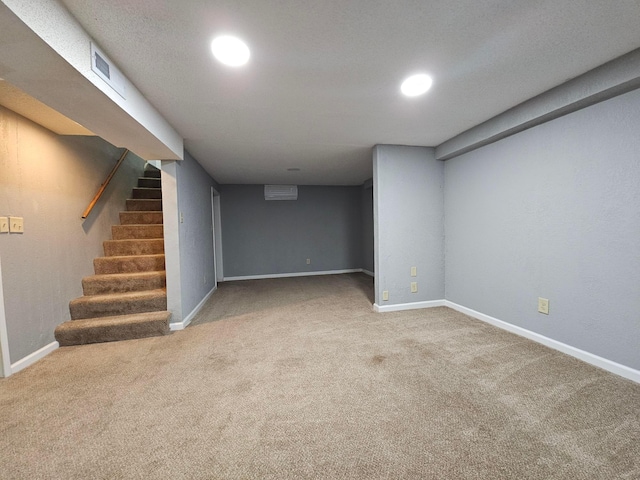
322	85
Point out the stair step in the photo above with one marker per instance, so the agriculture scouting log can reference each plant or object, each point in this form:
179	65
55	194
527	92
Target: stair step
151	171
114	328
123	282
144	204
141	218
149	182
125	232
94	306
128	264
127	247
144	192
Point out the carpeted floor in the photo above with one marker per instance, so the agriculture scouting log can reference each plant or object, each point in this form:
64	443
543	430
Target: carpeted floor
298	378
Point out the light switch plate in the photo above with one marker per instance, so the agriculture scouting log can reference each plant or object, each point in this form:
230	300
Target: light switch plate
543	305
414	272
16	225
4	224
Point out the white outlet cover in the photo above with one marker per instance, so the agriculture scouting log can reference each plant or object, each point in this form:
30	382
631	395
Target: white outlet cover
543	305
16	225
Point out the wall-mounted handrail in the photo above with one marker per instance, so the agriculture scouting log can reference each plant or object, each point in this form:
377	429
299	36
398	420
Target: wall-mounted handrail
104	185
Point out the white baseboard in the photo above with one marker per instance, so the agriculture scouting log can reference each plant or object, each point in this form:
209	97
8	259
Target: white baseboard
33	358
367	272
609	365
287	275
187	320
408	306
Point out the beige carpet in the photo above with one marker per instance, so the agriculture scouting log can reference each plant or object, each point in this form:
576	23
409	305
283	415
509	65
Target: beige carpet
297	378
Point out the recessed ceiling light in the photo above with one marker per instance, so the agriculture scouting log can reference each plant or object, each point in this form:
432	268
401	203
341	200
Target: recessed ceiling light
230	50
416	85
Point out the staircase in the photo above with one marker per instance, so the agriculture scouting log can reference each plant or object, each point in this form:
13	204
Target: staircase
126	298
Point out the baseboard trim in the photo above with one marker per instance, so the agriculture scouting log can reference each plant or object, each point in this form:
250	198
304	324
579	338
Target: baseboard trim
408	306
33	357
367	272
187	320
296	274
609	365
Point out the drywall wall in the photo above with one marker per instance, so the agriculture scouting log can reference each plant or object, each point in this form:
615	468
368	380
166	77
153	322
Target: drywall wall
367	227
196	232
49	180
553	212
408	224
262	237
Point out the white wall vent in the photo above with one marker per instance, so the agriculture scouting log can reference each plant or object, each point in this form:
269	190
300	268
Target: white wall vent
106	70
280	192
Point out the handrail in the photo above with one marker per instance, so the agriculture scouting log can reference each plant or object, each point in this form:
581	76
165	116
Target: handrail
104	185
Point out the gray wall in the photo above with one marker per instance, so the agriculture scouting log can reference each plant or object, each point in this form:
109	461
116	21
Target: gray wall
408	223
262	237
49	180
554	212
367	227
196	232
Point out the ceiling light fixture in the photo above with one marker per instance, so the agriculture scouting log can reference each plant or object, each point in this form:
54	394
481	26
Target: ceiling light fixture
416	85
230	50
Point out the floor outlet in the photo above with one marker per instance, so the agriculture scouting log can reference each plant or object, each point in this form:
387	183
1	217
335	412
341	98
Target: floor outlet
414	287
543	305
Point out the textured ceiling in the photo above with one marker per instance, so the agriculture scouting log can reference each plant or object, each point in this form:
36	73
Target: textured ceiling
322	85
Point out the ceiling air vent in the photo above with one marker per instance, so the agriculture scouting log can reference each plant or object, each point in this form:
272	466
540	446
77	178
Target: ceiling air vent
106	70
280	192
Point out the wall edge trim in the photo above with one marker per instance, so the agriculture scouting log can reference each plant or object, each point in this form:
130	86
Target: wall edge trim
187	320
368	272
587	357
293	274
33	357
408	306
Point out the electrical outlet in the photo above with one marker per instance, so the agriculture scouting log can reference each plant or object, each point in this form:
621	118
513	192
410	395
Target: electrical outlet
16	225
4	225
543	305
414	272
308	261
385	295
414	287
181	218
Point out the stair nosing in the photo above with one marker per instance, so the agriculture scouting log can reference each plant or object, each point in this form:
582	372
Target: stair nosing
155	293
129	256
